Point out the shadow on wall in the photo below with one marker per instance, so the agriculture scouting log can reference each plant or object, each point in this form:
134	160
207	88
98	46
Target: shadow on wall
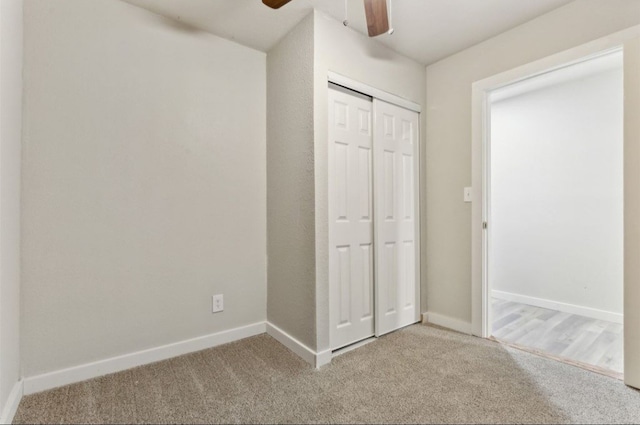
165	22
377	53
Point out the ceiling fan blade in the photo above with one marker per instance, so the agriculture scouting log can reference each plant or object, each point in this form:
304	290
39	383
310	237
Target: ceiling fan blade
377	18
275	4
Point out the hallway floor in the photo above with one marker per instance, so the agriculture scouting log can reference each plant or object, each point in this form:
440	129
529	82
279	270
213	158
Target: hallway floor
576	338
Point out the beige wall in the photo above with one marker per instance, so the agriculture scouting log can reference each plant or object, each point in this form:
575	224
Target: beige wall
290	185
448	259
143	182
349	53
11	50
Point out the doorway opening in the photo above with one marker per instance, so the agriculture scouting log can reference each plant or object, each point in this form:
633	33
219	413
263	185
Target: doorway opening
554	208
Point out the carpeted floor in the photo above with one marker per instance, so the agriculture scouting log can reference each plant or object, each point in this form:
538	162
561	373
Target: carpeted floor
418	375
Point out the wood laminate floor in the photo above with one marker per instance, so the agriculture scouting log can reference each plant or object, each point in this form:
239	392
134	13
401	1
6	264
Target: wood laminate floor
569	336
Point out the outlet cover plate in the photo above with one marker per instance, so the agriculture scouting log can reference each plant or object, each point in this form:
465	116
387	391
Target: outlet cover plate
217	303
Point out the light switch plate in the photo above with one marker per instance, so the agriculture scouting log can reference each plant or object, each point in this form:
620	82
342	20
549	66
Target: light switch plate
467	194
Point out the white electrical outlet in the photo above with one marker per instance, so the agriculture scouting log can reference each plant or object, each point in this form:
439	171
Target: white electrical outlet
217	302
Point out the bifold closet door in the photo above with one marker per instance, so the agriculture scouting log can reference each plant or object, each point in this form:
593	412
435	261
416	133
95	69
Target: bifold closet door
397	217
350	217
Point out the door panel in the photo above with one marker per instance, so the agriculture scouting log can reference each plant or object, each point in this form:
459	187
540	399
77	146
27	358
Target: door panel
350	218
632	213
396	229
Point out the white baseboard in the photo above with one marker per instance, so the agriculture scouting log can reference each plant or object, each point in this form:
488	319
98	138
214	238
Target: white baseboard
447	322
13	401
86	371
559	306
323	358
307	354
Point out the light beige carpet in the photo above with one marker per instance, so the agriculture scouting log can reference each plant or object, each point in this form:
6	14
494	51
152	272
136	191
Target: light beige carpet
418	375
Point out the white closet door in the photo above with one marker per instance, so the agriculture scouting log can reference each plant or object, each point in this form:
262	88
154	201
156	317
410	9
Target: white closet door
632	213
350	218
397	219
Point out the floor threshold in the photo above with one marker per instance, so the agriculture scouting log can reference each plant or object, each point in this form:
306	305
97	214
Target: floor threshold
352	347
571	362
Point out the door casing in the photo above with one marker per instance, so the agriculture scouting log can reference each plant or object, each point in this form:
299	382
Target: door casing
626	39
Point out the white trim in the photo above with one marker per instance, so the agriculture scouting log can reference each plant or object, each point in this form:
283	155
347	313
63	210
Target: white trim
447	322
323	358
13	401
593	313
347	82
480	289
304	352
307	354
631	212
86	371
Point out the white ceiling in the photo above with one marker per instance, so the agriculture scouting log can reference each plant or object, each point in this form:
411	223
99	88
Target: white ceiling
425	30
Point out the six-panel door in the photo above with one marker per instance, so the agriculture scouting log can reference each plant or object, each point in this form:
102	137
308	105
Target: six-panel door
397	217
351	251
373	188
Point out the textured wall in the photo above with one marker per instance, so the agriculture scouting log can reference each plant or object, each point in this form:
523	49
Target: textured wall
349	53
290	185
11	50
143	182
448	260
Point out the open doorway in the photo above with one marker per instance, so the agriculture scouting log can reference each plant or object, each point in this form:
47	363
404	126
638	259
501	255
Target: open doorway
555	204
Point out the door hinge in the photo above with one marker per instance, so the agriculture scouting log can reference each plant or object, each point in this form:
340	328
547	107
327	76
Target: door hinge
484	225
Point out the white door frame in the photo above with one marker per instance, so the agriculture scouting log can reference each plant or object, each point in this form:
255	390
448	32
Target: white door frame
376	93
480	319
